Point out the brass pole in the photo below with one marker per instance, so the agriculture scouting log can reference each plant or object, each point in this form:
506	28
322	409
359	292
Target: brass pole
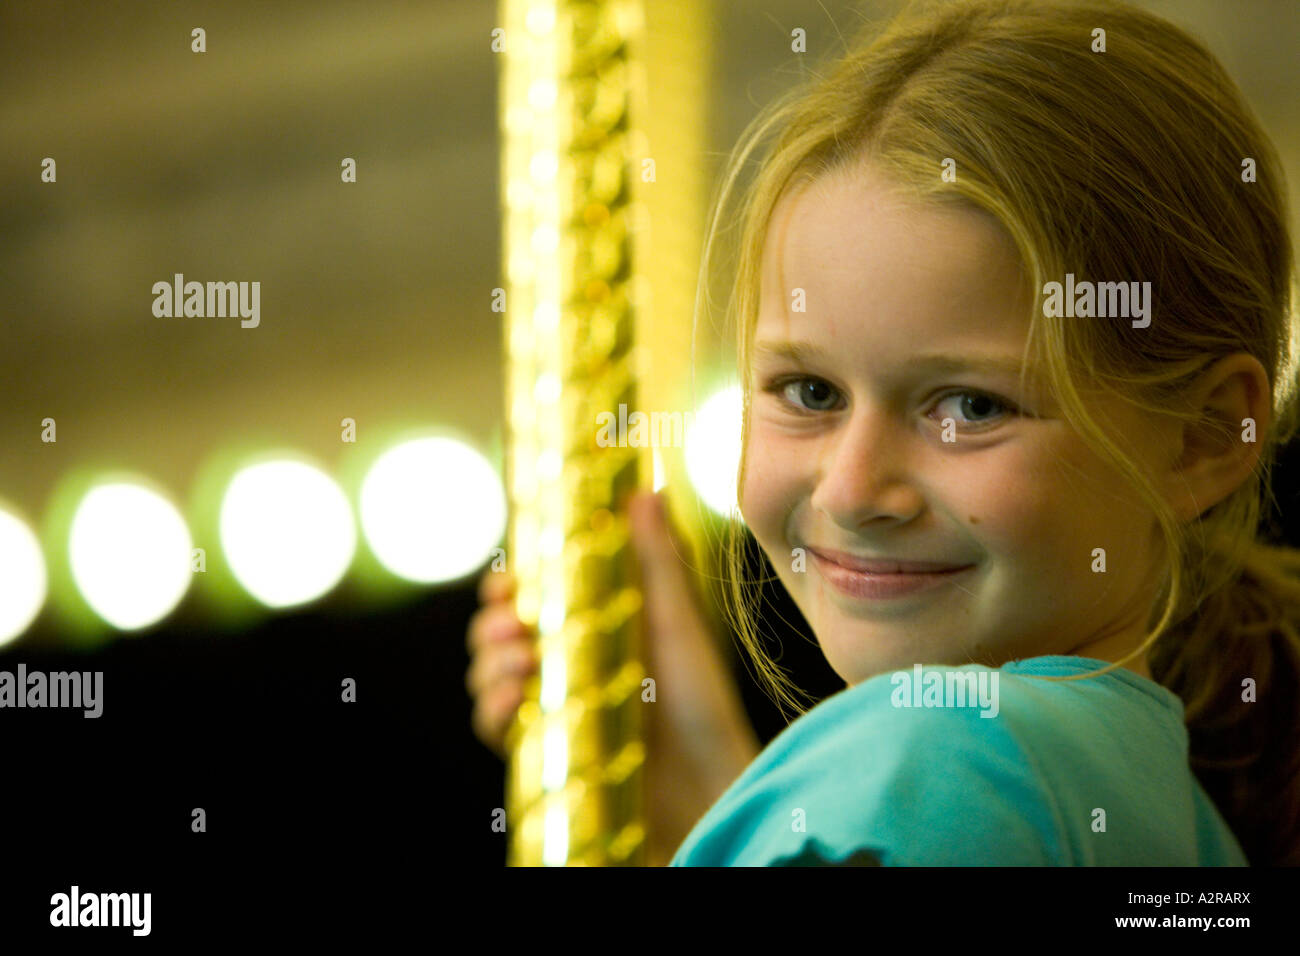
581	206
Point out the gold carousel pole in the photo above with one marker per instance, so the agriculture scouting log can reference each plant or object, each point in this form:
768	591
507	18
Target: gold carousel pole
586	141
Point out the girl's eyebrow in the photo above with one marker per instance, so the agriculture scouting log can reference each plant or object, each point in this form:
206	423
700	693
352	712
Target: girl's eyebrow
805	353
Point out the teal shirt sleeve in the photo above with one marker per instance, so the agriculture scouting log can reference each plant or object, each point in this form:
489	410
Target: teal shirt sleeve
910	786
860	781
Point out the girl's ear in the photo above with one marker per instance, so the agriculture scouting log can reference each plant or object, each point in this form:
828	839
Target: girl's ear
1219	450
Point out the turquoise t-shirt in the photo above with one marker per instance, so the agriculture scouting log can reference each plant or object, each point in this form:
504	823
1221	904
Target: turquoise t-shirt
876	775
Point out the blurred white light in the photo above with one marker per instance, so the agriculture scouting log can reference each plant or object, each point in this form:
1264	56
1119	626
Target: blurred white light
555	756
555	832
518	117
551	542
543	166
22	577
287	532
518	193
547	389
540	18
542	94
130	554
550	465
545	239
550	619
546	315
713	450
432	509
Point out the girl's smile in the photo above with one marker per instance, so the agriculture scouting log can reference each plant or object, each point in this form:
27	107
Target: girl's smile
881	580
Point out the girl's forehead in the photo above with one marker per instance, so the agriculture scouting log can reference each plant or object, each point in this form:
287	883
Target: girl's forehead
855	243
854	210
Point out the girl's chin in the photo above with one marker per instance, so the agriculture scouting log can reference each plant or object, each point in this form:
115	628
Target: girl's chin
855	659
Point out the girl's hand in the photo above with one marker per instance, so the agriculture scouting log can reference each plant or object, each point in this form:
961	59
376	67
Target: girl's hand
698	738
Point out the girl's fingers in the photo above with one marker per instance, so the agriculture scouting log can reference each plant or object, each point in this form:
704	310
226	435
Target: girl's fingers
491	625
505	662
502	656
494	712
496	586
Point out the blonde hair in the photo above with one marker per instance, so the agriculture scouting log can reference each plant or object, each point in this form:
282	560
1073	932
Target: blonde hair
1106	165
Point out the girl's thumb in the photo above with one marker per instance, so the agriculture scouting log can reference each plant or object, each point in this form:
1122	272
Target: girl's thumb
648	517
662	552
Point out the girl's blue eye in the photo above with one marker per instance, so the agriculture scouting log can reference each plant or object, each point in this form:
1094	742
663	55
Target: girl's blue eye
812	391
972	407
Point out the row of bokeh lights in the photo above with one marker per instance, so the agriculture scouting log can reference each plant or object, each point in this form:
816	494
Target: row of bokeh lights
431	510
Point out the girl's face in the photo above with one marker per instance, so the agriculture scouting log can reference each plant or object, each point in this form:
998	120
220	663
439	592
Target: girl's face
905	316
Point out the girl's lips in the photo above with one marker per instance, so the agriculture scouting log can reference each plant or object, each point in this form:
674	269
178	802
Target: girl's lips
877	584
884	565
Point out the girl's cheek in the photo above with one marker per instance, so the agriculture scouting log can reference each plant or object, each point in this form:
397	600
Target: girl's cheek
770	480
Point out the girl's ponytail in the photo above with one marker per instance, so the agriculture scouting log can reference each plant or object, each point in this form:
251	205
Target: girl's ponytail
1235	662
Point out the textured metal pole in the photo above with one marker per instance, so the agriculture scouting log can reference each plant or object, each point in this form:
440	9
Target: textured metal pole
578	211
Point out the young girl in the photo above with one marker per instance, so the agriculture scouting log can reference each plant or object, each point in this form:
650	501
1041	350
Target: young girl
1013	302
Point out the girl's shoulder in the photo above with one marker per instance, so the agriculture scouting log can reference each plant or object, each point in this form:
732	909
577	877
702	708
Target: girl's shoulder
1039	699
921	765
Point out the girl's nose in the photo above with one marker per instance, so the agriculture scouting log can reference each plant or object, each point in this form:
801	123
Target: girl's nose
864	473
